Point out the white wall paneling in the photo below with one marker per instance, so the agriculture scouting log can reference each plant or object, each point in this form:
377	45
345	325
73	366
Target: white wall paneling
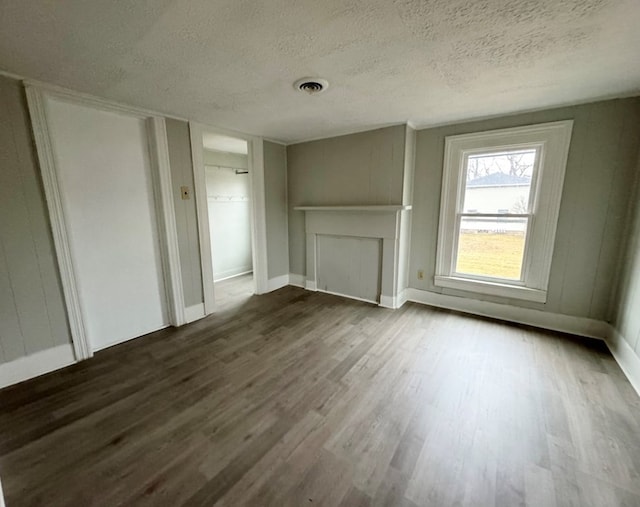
165	209
106	176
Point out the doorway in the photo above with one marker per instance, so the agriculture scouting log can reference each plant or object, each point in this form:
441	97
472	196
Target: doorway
108	192
228	176
226	166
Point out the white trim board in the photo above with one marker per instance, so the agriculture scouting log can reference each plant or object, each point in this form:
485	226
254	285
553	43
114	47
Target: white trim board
258	212
355	298
37	111
625	356
166	213
580	326
394	302
277	283
193	313
34	365
163	201
235	275
62	90
311	286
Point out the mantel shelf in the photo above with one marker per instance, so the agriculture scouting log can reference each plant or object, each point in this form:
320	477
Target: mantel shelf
378	208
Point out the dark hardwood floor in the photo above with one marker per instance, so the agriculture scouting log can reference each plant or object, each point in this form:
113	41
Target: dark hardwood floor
299	398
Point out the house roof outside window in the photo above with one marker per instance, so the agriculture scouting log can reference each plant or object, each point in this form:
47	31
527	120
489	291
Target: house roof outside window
499	180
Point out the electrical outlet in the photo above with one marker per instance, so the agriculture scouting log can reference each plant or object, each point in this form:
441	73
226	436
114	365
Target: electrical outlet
420	274
185	192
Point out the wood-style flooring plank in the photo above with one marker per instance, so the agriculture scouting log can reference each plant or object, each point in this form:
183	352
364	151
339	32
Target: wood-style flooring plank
300	398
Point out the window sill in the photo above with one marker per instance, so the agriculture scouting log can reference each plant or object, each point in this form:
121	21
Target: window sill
491	288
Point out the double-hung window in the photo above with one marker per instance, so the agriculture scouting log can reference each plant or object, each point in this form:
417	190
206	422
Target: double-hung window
499	209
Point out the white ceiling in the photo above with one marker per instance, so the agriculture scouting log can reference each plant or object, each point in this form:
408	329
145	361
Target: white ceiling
217	142
231	63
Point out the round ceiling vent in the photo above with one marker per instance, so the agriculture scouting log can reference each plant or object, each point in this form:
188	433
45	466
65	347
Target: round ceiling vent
311	85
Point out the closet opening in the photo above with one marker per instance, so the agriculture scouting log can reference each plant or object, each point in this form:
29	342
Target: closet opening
228	171
228	198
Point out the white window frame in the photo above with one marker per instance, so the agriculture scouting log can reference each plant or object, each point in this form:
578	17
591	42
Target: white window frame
552	142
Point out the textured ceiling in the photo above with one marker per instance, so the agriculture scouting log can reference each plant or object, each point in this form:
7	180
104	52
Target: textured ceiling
231	63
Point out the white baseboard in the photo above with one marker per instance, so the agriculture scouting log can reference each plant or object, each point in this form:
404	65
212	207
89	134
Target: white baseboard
233	273
402	298
347	296
36	364
277	283
393	302
193	313
311	285
625	356
553	321
387	301
296	280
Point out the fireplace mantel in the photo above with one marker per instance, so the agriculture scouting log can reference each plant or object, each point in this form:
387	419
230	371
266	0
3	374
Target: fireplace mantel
359	222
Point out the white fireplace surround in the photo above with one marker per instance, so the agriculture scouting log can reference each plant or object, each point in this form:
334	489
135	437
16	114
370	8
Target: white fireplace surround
380	222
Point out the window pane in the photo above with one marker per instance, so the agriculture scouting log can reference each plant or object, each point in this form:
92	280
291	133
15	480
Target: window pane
499	182
491	247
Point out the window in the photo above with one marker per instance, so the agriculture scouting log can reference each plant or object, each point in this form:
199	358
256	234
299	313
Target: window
499	209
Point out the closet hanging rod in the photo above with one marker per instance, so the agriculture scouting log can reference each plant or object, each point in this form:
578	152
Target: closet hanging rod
238	170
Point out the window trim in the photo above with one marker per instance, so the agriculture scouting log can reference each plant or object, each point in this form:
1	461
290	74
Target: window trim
552	140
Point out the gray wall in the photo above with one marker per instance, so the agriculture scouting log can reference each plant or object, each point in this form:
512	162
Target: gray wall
32	310
626	303
405	216
186	219
275	182
363	168
597	187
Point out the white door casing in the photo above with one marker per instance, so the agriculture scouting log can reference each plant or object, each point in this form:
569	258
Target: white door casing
257	204
108	188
